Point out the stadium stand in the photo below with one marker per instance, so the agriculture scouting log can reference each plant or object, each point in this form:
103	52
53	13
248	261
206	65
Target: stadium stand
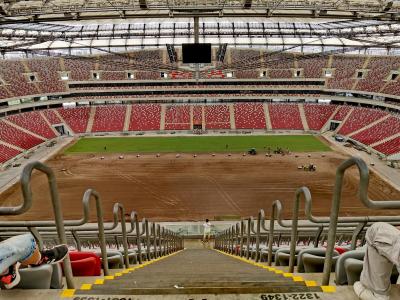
80	69
318	114
249	116
389	147
113	67
197	114
12	72
77	118
217	117
344	67
359	118
51	116
378	132
285	116
7	153
341	114
109	118
177	117
312	67
49	80
378	70
33	122
280	65
14	136
145	117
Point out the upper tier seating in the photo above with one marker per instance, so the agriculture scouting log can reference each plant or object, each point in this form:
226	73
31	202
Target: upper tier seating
80	69
181	75
14	136
285	116
143	75
378	132
217	116
392	88
379	70
49	80
34	122
113	67
341	113
145	117
389	147
4	92
6	153
249	116
12	72
359	118
109	118
279	65
77	118
344	71
312	67
212	74
51	116
177	117
318	114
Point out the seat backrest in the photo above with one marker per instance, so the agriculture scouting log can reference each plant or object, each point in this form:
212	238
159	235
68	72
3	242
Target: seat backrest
313	251
340	272
36	278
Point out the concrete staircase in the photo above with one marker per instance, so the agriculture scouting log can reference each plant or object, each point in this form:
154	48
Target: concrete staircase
91	119
303	117
197	271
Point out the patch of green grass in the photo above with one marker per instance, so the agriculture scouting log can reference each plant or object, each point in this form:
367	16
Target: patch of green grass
197	144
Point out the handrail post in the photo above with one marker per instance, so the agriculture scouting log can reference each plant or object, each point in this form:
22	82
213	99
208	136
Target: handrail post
295	218
163	252
356	233
121	210
242	229
258	232
158	241
276	205
37	236
336	199
147	240
153	229
86	198
248	238
318	236
77	240
57	209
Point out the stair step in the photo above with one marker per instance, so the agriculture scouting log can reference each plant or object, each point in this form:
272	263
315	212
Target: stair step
201	290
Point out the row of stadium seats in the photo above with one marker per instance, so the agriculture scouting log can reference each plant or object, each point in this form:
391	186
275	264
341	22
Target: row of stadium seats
33	128
92	251
308	244
42	76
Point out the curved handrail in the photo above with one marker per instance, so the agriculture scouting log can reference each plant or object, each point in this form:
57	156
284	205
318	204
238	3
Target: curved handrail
295	218
57	209
336	199
118	207
275	205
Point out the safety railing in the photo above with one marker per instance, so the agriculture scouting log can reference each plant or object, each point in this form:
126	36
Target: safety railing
161	240
249	231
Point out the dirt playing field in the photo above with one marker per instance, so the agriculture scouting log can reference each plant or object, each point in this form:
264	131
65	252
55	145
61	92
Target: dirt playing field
188	188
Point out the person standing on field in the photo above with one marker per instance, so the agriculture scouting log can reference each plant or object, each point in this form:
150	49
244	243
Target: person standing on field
206	231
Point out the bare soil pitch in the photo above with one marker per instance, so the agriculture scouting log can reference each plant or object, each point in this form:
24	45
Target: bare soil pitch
187	188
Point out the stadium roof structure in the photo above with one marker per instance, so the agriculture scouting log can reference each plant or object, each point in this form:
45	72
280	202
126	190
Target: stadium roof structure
81	27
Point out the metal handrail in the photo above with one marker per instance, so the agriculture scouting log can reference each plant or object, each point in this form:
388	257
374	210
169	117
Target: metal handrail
336	199
57	209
